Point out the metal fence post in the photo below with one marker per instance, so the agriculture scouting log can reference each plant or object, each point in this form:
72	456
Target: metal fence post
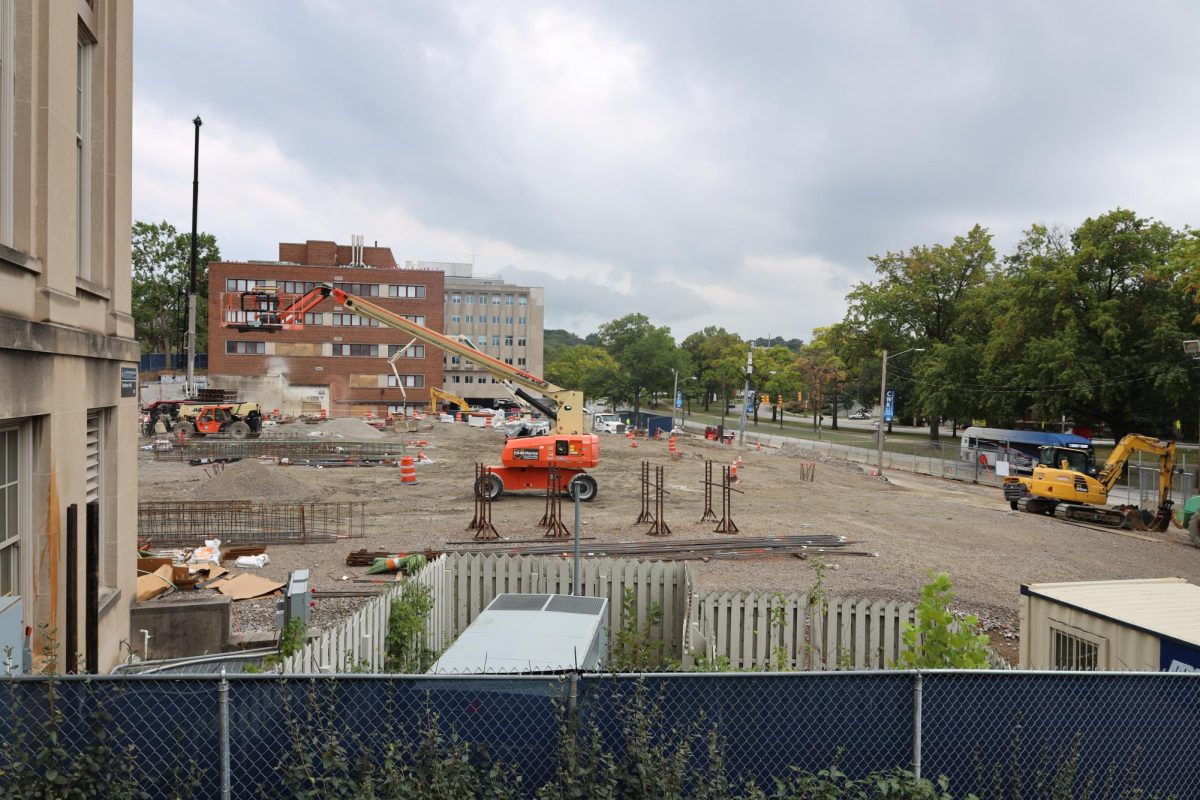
572	700
223	733
918	689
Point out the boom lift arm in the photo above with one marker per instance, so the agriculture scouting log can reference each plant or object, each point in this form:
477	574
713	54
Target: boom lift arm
260	311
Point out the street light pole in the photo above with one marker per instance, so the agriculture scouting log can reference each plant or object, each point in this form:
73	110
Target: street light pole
883	398
879	431
191	335
745	392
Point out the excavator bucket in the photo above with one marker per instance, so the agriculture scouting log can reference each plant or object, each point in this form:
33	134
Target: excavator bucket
1141	520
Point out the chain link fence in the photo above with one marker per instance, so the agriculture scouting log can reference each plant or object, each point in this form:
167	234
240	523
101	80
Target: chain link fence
244	736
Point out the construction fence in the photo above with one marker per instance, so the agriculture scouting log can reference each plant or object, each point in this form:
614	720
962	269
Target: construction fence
740	630
990	732
950	460
189	523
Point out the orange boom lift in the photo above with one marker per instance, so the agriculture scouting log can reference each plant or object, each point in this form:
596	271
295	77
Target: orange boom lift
527	459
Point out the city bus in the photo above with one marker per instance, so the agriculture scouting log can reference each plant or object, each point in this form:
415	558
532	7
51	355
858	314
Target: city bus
1019	448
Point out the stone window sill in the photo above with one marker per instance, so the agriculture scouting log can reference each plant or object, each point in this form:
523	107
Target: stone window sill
95	289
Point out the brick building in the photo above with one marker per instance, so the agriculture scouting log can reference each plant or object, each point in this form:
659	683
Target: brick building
339	360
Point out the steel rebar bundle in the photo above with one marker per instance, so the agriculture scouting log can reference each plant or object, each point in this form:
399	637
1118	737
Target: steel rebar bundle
297	451
247	522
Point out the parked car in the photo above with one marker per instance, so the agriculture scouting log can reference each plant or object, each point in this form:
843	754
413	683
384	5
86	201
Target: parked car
860	415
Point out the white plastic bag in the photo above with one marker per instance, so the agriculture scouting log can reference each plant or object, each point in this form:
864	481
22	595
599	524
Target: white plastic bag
210	553
253	562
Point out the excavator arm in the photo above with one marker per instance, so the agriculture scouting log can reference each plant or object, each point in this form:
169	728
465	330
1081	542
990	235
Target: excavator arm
260	310
1110	473
436	394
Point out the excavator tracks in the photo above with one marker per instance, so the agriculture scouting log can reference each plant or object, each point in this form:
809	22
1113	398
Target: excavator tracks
1122	517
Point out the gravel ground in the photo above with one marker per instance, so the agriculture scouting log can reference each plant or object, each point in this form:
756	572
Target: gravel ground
916	524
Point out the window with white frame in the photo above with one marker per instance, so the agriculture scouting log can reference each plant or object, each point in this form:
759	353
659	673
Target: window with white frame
470	318
417	318
296	287
495	299
508	320
412	351
455	318
483	299
508	299
520	320
83	156
468	379
238	348
12	484
523	300
346	319
468	299
508	340
359	289
520	361
521	341
240	284
1074	649
7	111
415	291
314	318
407	381
496	320
495	341
356	350
456	298
455	379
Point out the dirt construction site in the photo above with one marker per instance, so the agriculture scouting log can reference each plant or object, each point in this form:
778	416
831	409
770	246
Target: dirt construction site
899	528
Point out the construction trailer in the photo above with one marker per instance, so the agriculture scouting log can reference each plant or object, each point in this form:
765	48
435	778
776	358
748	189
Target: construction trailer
1145	625
531	633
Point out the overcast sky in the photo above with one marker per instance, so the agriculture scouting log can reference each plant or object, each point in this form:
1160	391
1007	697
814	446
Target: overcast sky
704	163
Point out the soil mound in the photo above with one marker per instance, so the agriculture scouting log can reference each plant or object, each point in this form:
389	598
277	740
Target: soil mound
252	480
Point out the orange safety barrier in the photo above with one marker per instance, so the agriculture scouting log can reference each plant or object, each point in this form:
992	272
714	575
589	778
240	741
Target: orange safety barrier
408	470
673	448
323	413
733	473
458	416
487	422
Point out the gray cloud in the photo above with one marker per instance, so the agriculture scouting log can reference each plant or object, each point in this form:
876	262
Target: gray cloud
684	143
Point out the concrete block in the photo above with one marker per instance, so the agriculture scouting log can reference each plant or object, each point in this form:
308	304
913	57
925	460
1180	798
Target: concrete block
186	624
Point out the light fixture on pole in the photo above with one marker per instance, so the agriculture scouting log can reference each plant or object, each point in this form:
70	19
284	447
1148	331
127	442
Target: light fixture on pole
882	399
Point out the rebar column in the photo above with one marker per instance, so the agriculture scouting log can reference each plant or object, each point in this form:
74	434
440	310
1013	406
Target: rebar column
709	515
726	524
659	525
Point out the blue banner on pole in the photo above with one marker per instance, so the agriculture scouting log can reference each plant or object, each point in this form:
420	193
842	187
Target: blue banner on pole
889	405
679	399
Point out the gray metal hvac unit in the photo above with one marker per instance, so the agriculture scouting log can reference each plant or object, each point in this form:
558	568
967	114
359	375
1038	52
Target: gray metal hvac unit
14	646
524	633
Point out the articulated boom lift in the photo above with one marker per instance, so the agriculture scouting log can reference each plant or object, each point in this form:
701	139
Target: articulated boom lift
527	460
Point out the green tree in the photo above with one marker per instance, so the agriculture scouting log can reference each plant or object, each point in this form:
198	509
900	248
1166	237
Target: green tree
1089	325
921	300
161	259
555	340
706	349
646	355
939	640
589	369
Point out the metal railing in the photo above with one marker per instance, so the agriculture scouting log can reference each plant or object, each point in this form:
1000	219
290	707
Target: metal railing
241	735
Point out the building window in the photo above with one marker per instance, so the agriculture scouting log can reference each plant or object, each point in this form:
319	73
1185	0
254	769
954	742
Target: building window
508	360
7	111
483	299
508	320
495	299
455	318
468	379
314	318
240	284
1073	652
508	299
83	157
470	319
495	341
412	351
245	348
454	379
296	287
359	289
407	381
496	320
11	486
405	290
481	339
455	360
521	341
356	350
508	341
456	298
347	319
468	299
417	318
520	361
522	300
520	320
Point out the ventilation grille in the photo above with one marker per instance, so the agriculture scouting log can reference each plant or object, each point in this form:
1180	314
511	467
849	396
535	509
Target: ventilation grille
519	602
93	458
566	604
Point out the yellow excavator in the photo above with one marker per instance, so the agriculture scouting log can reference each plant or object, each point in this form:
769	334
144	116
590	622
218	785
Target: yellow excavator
437	395
1065	485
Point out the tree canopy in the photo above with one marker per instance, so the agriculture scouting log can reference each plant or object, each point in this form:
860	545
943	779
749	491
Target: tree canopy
161	260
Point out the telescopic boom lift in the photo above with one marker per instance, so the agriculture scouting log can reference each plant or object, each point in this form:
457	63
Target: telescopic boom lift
527	460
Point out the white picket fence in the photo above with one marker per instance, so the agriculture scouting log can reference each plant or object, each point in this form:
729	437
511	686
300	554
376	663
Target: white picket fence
761	630
462	585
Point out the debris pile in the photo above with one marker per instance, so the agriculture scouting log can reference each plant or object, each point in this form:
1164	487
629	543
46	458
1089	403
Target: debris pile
252	480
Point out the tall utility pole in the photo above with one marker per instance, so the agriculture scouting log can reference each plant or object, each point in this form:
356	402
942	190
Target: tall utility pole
746	394
882	392
191	335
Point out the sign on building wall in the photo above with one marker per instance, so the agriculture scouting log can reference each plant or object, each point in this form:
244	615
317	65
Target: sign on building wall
1177	657
128	381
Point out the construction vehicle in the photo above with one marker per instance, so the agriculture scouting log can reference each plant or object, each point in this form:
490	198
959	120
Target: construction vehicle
1187	516
180	414
437	395
527	460
221	419
1065	485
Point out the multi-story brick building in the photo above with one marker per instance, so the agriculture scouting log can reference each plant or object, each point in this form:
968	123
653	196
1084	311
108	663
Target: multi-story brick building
68	359
338	360
502	319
